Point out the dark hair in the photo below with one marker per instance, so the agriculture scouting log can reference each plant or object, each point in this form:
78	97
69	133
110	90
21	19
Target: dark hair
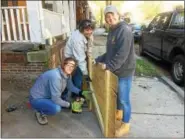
86	24
66	60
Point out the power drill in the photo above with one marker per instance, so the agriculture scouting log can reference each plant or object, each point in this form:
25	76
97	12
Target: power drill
76	105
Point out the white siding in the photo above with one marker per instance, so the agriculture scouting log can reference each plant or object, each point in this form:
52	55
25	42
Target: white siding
35	18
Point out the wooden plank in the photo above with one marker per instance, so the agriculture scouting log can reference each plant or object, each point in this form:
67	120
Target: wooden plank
13	24
21	2
97	109
3	33
13	7
112	83
7	24
98	82
24	24
107	103
19	24
104	84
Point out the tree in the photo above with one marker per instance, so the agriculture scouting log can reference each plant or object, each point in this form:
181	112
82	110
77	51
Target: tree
178	7
150	8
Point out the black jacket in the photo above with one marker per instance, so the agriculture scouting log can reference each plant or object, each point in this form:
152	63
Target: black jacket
120	54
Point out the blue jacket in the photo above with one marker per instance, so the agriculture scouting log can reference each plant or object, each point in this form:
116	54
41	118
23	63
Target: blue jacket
51	84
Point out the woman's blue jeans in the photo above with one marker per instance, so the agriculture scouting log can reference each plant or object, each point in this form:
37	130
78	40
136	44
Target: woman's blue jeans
77	78
123	99
45	106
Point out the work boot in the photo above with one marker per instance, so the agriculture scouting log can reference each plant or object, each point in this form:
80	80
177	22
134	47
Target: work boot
123	130
119	115
41	118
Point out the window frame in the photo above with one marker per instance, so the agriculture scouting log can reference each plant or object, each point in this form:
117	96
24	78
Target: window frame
171	26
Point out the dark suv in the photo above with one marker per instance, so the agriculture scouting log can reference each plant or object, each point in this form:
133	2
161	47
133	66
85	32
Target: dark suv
163	39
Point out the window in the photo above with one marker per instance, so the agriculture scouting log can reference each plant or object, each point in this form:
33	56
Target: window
154	22
178	21
164	21
14	2
161	21
4	3
47	5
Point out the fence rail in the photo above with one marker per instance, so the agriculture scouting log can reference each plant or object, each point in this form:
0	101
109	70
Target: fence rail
14	24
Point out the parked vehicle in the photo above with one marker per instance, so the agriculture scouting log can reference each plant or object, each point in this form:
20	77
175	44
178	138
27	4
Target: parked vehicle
136	30
163	39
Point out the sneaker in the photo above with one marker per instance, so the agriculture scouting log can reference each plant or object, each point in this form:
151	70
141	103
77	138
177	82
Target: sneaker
41	118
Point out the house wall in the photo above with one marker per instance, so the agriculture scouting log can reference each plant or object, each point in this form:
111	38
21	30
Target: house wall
9	70
35	18
16	65
18	3
16	33
39	23
68	9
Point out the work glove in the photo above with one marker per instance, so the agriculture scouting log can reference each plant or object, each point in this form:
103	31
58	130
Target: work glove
85	94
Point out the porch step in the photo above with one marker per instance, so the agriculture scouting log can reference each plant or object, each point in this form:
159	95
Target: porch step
17	47
38	56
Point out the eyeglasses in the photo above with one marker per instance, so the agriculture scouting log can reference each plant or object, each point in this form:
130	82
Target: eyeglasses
71	65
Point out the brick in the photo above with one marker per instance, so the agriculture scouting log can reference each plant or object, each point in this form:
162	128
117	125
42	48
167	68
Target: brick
13	57
4	64
31	70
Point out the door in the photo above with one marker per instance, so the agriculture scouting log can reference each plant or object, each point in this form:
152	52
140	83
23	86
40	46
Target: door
174	35
147	34
155	33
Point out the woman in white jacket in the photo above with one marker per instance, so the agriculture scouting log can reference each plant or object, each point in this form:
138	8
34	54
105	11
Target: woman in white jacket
76	47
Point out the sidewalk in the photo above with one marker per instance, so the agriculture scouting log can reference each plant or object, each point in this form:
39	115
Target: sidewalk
157	111
22	122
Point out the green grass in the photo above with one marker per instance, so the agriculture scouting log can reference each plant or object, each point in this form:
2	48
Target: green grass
145	68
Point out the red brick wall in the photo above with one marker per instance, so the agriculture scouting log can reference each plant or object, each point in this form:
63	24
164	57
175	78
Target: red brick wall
13	57
15	63
22	69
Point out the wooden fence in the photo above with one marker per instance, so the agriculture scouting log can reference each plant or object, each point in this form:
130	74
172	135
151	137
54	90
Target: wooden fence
104	97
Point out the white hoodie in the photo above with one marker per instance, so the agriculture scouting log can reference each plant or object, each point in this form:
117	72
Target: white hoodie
76	47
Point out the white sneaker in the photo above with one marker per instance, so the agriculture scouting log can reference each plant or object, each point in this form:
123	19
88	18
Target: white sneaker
41	118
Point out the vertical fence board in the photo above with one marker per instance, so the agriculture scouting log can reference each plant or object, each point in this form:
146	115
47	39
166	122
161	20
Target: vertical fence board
7	24
19	24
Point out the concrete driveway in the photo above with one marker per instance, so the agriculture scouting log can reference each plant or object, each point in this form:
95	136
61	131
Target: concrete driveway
157	111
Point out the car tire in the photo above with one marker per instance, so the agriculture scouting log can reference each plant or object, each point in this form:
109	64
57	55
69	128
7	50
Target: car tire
177	69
